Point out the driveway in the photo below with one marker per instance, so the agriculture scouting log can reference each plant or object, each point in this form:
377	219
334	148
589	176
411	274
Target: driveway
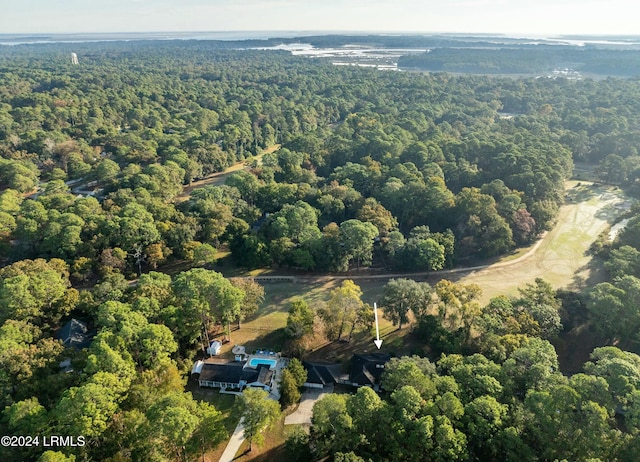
305	409
234	444
238	435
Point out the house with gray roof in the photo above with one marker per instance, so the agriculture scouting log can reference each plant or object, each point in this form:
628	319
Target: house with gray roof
75	334
322	374
365	371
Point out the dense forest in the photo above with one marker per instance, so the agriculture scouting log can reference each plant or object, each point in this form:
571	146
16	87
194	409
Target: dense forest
533	59
372	165
348	168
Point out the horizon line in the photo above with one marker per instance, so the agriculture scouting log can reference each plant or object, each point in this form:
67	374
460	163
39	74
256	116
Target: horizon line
329	32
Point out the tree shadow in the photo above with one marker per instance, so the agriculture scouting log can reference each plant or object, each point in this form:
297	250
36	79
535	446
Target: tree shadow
582	192
242	454
610	213
595	274
574	348
256	455
272	340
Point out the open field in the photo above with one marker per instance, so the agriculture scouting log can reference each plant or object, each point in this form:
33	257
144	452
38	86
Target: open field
560	257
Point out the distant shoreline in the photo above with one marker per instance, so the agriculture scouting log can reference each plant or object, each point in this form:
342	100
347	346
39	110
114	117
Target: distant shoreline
48	38
32	39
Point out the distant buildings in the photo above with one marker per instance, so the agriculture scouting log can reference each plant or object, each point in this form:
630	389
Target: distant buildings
74	58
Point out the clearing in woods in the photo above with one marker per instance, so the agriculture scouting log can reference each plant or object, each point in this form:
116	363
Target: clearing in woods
218	179
561	257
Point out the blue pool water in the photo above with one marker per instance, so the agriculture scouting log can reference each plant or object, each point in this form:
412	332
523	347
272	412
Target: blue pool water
255	362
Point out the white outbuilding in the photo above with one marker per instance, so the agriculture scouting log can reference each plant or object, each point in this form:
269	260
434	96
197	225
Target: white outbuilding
214	348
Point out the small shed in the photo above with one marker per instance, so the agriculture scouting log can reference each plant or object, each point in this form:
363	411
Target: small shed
214	348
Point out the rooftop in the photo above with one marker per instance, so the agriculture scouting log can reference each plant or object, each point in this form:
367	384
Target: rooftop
222	371
74	334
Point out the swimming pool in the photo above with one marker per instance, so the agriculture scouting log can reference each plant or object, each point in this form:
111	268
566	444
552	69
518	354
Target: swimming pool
255	362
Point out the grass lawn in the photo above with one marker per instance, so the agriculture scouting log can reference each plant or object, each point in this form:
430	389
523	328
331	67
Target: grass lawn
265	328
224	404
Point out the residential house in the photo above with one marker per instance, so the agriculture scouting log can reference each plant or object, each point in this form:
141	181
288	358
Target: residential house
75	334
366	369
321	374
233	375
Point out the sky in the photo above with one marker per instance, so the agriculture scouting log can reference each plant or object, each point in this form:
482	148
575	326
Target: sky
514	17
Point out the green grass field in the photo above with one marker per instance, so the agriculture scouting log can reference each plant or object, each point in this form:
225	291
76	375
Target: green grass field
562	258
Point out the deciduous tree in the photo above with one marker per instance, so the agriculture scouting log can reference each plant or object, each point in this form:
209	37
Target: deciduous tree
258	413
402	296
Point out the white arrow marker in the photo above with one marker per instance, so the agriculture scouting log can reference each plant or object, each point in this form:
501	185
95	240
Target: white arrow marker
378	342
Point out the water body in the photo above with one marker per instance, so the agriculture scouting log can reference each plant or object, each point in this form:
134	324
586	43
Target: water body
349	55
498	39
24	39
